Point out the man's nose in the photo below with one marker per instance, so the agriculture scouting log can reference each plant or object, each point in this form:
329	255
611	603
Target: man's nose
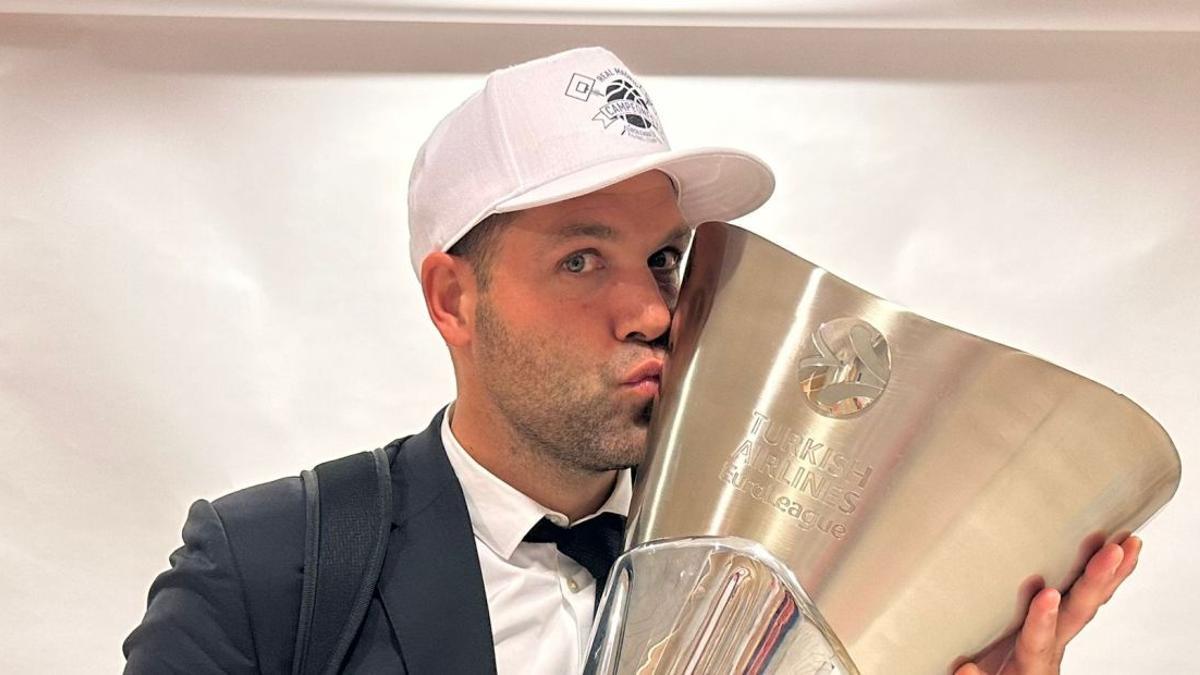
644	307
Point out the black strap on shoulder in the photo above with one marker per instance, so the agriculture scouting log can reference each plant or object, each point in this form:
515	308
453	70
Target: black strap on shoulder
349	505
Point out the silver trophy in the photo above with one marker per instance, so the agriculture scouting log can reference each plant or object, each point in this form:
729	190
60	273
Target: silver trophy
837	485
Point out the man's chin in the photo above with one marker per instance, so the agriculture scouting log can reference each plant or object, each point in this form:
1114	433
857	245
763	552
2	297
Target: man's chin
630	452
639	447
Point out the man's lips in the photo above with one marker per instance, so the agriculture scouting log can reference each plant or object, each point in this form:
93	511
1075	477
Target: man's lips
645	377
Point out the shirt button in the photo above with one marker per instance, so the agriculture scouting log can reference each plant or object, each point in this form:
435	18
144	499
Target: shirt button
573	585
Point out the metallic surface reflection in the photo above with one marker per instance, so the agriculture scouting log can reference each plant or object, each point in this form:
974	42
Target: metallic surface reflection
710	605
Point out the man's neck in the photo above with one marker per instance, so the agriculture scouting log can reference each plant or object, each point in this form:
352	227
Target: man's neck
494	444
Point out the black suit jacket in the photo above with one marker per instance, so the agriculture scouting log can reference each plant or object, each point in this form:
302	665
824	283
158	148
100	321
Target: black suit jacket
231	600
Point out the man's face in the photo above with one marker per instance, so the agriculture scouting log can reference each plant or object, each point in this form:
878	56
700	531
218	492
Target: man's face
570	331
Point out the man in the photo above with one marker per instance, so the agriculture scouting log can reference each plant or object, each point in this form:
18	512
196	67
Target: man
548	217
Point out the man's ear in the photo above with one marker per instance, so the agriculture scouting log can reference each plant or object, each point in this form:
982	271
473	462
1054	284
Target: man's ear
450	295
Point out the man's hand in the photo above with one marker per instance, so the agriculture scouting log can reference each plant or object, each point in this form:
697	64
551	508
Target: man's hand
1051	624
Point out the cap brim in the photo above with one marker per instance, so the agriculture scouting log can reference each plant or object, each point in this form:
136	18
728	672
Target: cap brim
714	183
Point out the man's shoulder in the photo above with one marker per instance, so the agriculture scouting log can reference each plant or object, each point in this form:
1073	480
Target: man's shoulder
231	598
265	526
275	505
264	503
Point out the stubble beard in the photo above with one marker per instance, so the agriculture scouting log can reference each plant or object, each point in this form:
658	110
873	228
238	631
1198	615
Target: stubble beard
569	416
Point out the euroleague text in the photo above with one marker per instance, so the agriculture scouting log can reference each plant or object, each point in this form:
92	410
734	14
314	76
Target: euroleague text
816	486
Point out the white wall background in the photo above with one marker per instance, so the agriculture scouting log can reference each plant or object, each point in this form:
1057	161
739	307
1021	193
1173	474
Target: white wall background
203	261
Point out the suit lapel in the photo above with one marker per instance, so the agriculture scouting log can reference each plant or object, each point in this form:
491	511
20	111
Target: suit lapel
430	585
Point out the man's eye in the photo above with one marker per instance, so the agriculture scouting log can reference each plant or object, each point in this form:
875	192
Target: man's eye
578	263
666	259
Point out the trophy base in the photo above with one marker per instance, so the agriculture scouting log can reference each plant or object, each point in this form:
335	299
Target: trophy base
701	605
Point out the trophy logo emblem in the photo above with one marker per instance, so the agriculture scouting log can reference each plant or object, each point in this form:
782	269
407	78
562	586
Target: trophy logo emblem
849	370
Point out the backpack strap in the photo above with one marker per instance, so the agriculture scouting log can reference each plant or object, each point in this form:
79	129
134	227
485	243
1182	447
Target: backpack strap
348	504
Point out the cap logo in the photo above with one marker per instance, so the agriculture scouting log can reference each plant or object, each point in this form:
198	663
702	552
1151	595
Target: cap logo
624	101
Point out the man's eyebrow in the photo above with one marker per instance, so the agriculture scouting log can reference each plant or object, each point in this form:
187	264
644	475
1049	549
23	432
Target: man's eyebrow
681	231
602	231
595	230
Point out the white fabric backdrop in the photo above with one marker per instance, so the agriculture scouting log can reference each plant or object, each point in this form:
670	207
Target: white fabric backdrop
204	279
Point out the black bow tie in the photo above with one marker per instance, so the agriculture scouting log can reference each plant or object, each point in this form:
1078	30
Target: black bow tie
594	543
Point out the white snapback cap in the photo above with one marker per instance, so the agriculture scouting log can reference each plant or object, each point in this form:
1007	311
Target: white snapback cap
556	128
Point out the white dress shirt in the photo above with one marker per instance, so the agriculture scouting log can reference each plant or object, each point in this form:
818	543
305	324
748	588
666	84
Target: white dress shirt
540	601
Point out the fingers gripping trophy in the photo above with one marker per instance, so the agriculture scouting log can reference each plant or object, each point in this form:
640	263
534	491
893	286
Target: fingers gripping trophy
835	484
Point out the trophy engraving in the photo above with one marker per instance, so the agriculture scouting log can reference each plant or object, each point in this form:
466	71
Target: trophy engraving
815	485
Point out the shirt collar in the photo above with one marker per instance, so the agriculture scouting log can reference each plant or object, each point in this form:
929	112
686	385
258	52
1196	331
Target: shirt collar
501	515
